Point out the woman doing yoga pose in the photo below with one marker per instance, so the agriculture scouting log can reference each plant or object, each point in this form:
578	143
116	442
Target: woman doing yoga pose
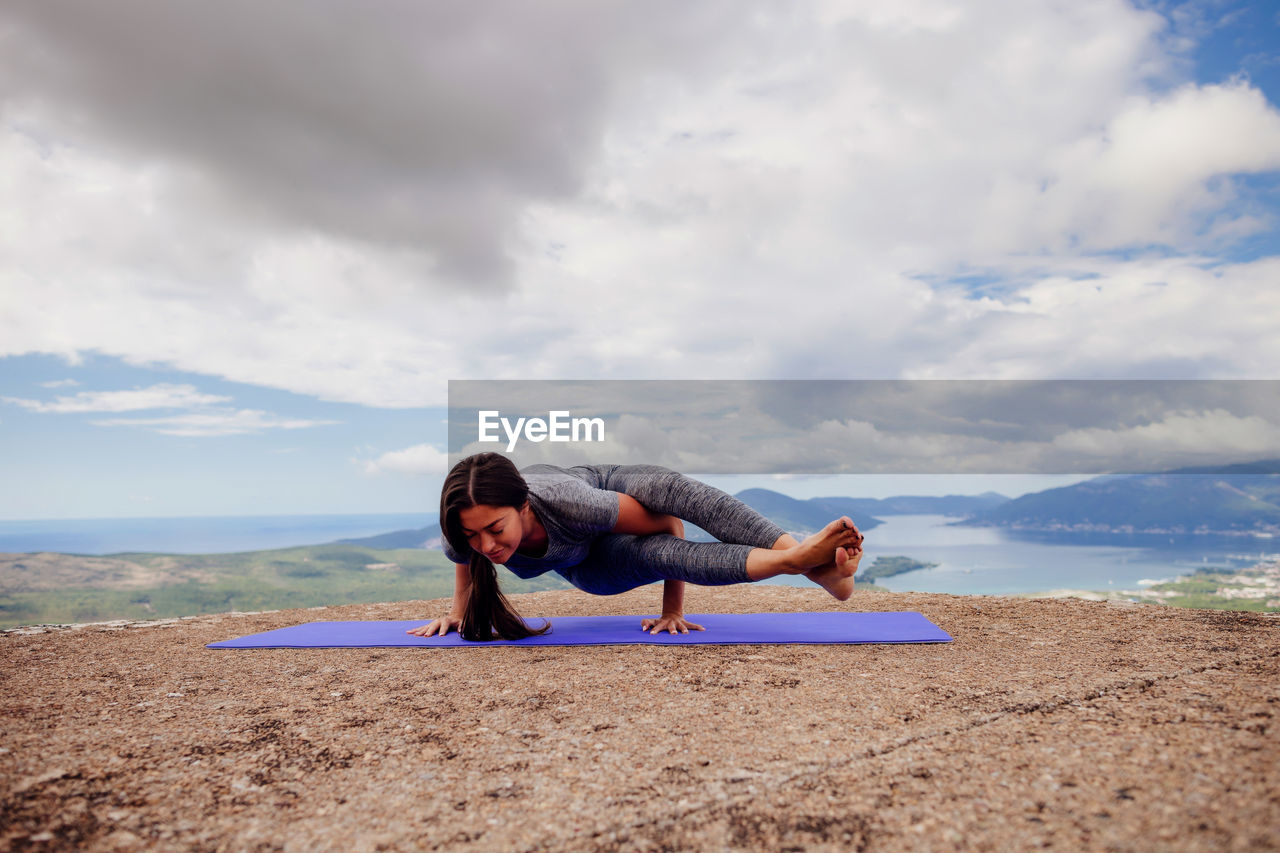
610	528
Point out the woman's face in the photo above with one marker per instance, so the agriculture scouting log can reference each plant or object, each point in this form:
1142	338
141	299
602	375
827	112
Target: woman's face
494	531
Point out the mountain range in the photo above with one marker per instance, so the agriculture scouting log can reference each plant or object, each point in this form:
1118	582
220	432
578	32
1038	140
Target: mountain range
1241	498
1234	499
794	514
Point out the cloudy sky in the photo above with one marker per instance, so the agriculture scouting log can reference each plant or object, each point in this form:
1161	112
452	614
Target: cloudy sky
244	246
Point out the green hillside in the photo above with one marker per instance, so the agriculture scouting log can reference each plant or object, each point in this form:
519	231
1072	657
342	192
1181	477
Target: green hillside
884	567
64	588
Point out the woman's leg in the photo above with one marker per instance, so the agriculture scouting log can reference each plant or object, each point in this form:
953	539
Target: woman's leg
828	558
618	562
719	513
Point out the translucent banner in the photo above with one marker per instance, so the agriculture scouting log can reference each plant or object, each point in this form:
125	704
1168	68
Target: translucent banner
872	426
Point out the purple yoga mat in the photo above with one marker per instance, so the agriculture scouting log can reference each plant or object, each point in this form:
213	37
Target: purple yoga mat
722	629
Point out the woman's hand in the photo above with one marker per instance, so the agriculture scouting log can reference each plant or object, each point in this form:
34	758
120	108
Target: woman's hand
440	626
673	623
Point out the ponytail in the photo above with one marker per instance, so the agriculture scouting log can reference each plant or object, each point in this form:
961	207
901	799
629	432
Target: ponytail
488	610
488	479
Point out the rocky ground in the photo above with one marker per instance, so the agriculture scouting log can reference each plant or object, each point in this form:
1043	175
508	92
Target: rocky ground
1061	723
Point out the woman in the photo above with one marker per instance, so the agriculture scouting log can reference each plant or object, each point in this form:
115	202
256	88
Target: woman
610	528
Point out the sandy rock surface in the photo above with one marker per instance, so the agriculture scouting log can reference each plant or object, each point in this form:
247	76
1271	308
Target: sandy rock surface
1061	723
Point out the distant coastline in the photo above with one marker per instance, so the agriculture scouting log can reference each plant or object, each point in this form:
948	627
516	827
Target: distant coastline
1254	588
194	534
1120	529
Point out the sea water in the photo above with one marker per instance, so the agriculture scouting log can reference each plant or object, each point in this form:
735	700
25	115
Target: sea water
197	535
994	561
971	560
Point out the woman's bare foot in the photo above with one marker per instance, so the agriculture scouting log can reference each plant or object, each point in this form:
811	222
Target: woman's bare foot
816	552
836	577
821	548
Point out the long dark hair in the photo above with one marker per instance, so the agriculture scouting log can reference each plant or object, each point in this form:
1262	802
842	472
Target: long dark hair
486	479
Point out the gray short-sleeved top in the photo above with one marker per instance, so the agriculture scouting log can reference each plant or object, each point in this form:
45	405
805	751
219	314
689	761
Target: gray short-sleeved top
573	513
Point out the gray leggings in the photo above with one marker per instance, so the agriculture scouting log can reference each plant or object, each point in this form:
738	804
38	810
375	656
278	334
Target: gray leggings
618	562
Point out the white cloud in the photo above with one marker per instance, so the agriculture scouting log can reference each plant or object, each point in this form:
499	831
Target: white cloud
1196	437
1148	318
215	423
59	383
419	459
1147	176
207	419
162	396
419	127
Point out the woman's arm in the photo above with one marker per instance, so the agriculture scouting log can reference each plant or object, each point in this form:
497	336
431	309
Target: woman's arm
461	592
634	518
